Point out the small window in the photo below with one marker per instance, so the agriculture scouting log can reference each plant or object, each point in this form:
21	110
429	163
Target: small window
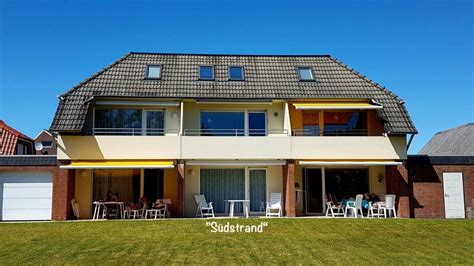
236	73
153	72
47	144
305	73
206	72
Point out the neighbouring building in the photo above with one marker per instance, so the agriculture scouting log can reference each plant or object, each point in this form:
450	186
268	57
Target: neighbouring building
442	175
26	180
230	127
48	143
13	142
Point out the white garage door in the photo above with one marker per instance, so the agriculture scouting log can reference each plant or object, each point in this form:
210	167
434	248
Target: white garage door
453	195
25	196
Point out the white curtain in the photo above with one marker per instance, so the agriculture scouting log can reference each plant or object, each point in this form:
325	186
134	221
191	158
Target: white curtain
117	181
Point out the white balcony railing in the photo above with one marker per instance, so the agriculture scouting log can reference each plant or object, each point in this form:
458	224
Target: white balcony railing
133	131
234	132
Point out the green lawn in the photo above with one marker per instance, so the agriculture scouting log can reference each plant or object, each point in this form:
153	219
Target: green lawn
345	241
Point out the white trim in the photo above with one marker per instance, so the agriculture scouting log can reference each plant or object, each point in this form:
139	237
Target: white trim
43	130
364	163
131	166
235	163
181	116
136	103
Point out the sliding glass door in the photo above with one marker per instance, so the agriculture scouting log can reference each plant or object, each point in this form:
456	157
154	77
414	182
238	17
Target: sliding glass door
258	189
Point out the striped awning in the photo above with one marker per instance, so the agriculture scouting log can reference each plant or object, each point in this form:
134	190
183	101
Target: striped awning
119	164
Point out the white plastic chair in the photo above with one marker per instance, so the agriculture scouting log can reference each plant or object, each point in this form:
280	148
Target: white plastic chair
375	210
75	209
203	208
389	206
274	204
137	213
356	208
161	212
330	207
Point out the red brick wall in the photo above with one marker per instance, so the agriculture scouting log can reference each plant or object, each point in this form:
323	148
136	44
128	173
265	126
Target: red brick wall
180	203
289	197
426	180
63	193
63	188
397	183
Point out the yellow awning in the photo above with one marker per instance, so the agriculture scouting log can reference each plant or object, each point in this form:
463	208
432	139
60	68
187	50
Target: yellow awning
337	106
350	162
118	164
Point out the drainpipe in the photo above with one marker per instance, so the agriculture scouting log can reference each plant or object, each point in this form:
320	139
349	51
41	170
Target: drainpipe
410	140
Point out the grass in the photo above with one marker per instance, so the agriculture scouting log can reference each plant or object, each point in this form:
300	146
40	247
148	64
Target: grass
316	241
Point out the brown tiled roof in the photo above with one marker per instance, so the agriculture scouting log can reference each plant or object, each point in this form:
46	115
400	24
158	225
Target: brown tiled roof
266	77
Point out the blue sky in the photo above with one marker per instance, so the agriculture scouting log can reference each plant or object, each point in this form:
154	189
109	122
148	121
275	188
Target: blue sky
421	50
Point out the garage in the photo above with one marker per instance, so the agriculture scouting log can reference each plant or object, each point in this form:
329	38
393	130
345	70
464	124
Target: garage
26	196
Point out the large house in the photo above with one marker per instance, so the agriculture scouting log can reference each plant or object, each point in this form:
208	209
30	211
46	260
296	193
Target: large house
230	127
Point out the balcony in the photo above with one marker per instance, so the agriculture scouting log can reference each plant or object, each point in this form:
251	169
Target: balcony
134	132
118	147
228	144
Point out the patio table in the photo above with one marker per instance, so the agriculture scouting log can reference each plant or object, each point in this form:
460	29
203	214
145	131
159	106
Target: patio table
102	204
232	204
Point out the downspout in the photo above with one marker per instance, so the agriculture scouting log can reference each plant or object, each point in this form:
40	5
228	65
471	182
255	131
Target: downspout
410	140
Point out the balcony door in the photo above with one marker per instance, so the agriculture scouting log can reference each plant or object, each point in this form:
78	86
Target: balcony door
155	123
313	190
257	121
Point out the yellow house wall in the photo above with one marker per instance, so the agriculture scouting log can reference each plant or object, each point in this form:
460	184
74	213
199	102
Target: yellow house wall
83	192
170	185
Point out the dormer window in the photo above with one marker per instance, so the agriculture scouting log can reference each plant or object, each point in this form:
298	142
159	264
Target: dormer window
153	72
206	72
236	73
305	74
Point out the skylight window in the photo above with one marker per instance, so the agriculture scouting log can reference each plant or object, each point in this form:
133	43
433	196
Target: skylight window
236	73
305	74
206	72
153	72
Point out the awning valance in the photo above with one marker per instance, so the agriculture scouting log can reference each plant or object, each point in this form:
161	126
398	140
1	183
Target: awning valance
349	163
119	164
337	105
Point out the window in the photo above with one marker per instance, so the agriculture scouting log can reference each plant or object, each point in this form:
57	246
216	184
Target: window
153	72
305	74
21	149
222	123
310	123
47	144
236	73
129	122
122	121
257	123
206	72
345	123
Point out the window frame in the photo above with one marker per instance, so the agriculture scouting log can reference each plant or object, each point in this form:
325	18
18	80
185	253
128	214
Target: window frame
47	146
310	71
236	66
213	73
147	72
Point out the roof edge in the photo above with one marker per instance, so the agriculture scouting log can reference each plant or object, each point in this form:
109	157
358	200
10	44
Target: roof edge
250	55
